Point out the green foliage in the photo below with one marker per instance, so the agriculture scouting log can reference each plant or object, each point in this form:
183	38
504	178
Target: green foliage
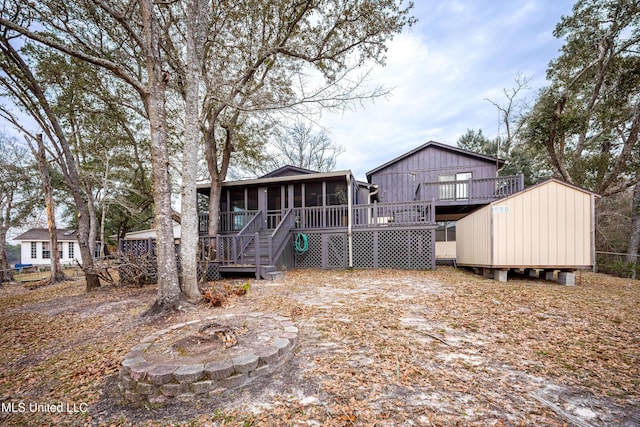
587	119
478	143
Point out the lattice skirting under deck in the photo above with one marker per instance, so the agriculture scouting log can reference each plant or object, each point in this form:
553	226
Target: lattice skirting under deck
411	249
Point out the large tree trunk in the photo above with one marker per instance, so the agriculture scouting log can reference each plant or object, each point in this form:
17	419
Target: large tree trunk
189	213
43	167
634	241
93	218
6	273
169	295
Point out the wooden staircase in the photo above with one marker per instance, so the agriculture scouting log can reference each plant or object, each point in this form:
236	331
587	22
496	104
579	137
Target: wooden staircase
266	270
254	257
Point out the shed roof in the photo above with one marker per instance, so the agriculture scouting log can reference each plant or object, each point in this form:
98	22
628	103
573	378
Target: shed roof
42	234
438	145
543	183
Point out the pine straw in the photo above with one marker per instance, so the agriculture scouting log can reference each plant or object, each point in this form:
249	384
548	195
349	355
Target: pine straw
376	348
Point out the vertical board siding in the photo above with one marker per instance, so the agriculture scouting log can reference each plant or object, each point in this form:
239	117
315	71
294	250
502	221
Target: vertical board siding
396	182
546	226
473	233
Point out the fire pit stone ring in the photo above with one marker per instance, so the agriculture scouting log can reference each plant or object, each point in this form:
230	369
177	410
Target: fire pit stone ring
194	359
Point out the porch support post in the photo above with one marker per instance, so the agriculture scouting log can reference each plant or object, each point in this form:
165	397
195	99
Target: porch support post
350	220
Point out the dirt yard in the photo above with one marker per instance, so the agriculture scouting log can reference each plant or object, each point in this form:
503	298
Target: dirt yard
376	348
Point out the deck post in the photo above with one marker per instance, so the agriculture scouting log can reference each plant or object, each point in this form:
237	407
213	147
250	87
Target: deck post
257	254
350	220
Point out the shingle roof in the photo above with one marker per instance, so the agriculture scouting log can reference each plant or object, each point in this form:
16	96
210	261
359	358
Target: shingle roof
288	170
42	234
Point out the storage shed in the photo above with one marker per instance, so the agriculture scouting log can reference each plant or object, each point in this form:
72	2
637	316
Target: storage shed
549	227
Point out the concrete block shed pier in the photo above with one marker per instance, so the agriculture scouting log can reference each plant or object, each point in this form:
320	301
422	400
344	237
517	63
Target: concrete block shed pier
547	228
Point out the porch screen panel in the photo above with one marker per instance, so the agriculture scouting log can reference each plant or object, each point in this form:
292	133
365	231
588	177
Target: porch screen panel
252	199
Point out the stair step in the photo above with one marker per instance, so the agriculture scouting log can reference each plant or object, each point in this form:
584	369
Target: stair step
272	275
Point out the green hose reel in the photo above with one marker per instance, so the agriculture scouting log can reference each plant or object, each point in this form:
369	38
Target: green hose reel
302	243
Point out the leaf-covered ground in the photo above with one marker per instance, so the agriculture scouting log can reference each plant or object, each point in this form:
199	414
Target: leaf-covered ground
376	347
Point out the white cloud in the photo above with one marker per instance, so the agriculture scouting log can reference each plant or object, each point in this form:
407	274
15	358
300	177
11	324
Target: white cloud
441	72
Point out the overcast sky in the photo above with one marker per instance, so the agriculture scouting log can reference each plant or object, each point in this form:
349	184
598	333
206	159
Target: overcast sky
442	71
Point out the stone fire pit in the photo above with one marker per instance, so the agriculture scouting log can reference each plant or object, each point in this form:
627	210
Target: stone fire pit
196	358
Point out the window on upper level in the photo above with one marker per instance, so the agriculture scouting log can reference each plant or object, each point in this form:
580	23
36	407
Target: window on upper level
454	186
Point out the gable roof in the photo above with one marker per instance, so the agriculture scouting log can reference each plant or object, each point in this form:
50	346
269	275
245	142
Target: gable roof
288	170
543	183
42	234
437	145
279	180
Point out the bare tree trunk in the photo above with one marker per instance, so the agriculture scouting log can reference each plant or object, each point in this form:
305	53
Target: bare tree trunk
103	218
43	167
93	219
214	216
6	274
634	241
103	204
196	14
6	202
169	295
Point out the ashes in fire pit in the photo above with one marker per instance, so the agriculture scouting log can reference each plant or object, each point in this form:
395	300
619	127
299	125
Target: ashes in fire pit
200	356
226	334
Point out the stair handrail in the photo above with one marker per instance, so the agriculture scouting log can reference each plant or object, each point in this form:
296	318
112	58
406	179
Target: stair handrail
278	238
243	239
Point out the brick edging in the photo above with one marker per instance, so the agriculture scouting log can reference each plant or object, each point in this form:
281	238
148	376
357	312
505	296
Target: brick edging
141	381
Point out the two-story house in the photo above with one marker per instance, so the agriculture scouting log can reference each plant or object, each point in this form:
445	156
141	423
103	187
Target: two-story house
454	180
402	217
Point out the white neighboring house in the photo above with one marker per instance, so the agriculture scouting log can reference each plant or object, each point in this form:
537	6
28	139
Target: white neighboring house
35	247
150	233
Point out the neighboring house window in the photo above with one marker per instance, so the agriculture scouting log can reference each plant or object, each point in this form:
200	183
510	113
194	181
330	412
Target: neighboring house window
46	250
446	231
454	186
34	250
60	250
71	250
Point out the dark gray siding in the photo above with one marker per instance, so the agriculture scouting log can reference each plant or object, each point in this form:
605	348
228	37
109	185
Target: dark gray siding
405	179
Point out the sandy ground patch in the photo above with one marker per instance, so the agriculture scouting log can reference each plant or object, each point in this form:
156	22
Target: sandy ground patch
375	347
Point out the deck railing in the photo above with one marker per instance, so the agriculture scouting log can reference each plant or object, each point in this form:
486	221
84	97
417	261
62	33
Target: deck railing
321	217
373	215
278	238
473	190
232	249
393	214
229	221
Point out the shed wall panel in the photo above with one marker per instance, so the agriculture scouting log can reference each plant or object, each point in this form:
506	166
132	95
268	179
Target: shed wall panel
545	226
473	234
